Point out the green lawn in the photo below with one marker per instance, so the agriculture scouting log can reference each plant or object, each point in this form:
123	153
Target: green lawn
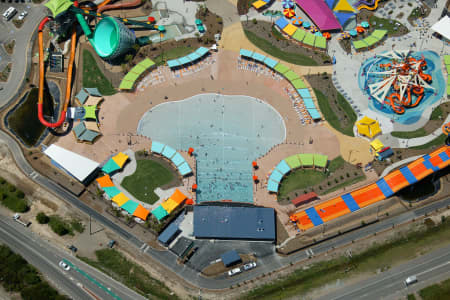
300	179
11	197
437	113
380	256
409	134
387	25
331	117
268	47
345	183
438	291
336	163
439	141
93	76
148	176
172	54
114	264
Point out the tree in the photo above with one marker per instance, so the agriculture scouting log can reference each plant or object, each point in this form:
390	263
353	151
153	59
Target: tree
42	218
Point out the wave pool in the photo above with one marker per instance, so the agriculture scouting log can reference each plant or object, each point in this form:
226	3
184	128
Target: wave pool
227	133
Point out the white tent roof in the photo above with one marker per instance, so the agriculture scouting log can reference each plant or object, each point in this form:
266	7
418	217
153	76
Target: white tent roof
443	27
78	166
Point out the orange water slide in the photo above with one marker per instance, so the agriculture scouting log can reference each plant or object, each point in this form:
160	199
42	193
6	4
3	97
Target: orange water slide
103	8
40	103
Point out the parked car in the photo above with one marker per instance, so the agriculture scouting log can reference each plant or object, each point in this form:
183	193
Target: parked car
22	15
111	243
9	13
410	280
234	271
21	221
72	248
249	266
64	265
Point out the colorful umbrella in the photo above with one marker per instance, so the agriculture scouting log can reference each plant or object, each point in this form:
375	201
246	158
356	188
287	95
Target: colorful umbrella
353	32
314	29
289	13
327	35
287	4
297	21
151	19
365	24
360	29
198	21
306	24
345	35
318	33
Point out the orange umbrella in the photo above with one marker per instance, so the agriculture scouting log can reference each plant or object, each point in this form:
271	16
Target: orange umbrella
255	178
191	150
254	164
194	187
360	29
327	35
189	202
289	13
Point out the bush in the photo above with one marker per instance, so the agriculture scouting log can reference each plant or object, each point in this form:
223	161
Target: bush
2	180
11	188
59	226
42	218
20	194
21	207
77	226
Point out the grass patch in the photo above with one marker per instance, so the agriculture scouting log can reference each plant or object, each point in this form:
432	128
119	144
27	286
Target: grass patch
391	28
172	53
277	34
148	176
409	134
331	117
336	164
411	297
437	113
77	225
436	291
19	276
60	226
24	120
94	77
300	179
132	275
12	198
382	256
266	46
439	141
346	183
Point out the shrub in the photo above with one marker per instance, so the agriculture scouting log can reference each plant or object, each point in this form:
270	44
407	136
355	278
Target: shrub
42	218
77	226
2	180
20	194
59	226
254	21
11	188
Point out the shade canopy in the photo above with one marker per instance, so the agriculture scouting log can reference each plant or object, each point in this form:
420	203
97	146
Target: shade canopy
368	127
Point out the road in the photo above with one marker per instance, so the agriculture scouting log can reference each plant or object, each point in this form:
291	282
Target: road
430	268
22	51
45	258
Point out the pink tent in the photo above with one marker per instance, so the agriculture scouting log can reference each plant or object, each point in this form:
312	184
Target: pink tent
320	14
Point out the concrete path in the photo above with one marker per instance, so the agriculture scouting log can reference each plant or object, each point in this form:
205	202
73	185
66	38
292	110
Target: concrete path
398	164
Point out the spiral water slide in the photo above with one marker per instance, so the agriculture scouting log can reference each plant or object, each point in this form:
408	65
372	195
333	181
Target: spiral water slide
62	116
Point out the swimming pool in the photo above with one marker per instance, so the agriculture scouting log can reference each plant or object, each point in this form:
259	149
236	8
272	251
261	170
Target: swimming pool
413	114
227	133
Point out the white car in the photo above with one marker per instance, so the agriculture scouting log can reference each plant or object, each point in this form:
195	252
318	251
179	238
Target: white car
22	15
250	265
64	265
234	271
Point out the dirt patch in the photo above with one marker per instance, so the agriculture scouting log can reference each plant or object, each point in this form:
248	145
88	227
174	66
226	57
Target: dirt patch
265	31
282	234
219	268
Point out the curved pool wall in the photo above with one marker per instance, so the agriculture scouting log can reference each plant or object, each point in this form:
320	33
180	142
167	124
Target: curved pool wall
411	115
227	133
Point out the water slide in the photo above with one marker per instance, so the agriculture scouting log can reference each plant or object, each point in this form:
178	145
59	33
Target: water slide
62	117
380	190
366	5
118	5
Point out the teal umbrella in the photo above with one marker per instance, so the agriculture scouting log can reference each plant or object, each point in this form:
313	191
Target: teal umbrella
306	24
198	22
365	24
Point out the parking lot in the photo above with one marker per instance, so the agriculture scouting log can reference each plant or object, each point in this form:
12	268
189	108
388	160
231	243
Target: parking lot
22	36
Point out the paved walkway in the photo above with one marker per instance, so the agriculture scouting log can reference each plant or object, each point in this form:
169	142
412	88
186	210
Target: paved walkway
398	164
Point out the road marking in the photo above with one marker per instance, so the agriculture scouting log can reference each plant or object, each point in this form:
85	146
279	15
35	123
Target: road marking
434	268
